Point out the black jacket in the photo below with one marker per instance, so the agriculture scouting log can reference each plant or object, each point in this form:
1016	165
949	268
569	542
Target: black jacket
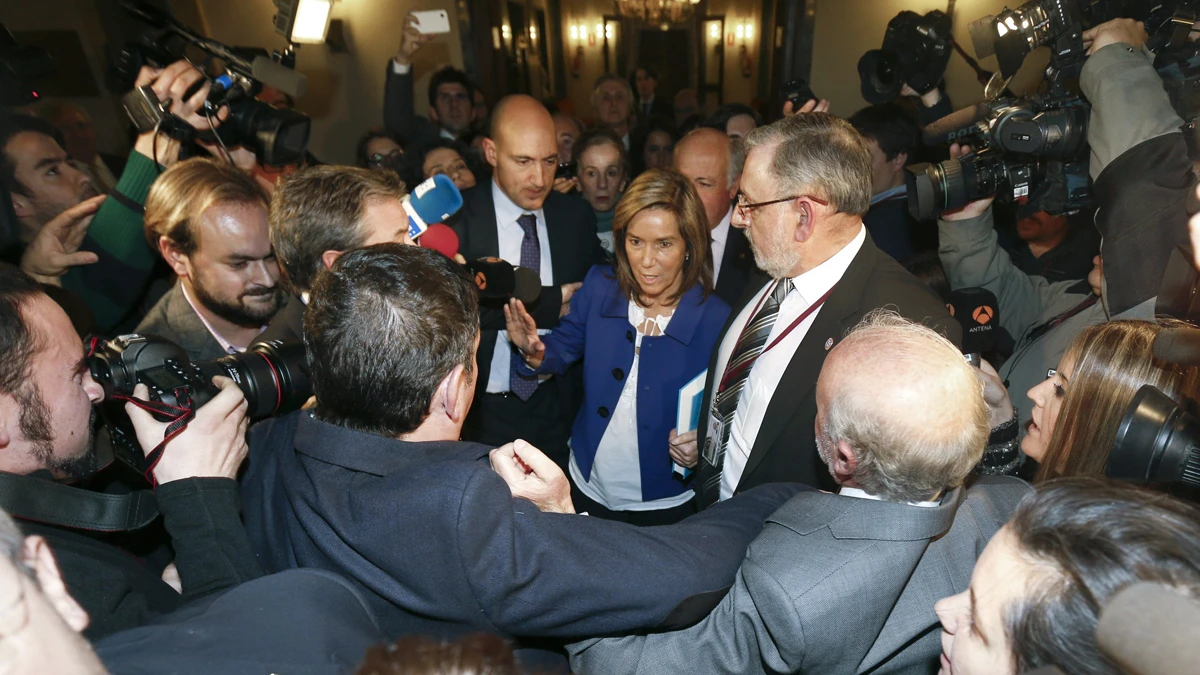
785	448
737	265
120	591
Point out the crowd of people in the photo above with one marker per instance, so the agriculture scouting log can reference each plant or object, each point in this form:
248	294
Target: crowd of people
803	473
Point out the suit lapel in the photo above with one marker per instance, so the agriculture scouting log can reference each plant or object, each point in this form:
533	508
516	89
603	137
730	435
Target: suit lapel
190	331
480	221
798	381
559	255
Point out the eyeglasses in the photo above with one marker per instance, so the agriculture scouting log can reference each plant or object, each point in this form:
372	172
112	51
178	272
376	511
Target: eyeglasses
744	208
1050	373
378	158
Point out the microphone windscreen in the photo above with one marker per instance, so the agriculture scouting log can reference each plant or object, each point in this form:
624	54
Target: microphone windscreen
1178	345
1149	629
940	131
266	70
528	286
440	238
978	313
436	199
495	278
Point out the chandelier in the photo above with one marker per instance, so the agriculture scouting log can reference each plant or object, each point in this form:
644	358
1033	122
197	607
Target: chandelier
656	11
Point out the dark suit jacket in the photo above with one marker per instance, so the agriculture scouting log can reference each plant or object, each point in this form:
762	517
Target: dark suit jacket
658	107
785	448
443	548
737	265
834	585
288	323
301	622
173	318
574	248
398	114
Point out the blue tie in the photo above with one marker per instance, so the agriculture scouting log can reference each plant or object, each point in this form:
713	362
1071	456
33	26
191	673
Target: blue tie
531	259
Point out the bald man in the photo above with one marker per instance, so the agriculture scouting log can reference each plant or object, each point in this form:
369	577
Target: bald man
518	217
713	162
844	583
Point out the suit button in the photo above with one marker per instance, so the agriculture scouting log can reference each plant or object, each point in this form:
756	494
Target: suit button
603	412
618	373
629	335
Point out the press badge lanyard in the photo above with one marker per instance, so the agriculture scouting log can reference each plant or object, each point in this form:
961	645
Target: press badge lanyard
731	373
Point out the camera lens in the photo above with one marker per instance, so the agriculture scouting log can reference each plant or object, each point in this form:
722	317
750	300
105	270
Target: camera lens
881	76
273	376
1156	442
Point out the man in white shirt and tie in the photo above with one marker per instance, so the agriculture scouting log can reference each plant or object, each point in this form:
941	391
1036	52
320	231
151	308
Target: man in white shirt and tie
806	184
518	217
713	162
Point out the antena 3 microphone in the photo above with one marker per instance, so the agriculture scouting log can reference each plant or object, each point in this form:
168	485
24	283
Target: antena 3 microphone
978	313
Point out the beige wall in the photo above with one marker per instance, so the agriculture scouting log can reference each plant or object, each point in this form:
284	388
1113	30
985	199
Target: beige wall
81	17
345	91
845	29
738	87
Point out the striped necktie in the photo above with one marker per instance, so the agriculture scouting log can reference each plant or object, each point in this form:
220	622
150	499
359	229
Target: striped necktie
531	259
749	347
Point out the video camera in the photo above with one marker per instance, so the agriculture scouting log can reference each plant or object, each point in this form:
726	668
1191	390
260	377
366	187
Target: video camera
20	67
277	137
1035	147
915	51
272	375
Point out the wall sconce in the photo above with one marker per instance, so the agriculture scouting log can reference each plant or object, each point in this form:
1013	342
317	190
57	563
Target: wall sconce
714	31
574	32
533	33
303	21
506	32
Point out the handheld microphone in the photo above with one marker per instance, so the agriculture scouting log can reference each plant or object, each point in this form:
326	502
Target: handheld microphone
433	201
499	280
955	125
440	238
978	313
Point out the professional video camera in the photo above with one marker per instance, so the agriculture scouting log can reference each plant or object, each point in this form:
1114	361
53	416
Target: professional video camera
1157	443
277	137
1035	147
915	51
273	376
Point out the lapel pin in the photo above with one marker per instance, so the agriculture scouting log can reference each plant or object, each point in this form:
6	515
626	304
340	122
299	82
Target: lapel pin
828	344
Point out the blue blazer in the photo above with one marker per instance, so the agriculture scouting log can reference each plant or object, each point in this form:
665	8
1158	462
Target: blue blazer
598	330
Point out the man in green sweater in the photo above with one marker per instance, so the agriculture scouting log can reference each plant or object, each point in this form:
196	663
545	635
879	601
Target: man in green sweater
106	263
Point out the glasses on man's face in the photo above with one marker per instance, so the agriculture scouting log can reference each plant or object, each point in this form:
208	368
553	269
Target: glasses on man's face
745	208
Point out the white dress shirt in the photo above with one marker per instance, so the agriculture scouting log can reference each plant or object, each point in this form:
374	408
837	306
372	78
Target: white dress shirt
859	493
720	236
769	368
509	235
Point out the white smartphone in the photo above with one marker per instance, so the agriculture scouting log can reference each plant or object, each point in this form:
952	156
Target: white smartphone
433	22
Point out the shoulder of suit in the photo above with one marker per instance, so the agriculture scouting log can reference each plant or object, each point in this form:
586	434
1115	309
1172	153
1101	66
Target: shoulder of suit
891	283
995	497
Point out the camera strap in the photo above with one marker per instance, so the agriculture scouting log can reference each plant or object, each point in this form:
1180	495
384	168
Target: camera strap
44	501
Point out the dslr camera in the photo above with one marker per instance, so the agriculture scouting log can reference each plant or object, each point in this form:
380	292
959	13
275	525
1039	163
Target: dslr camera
277	137
273	376
915	51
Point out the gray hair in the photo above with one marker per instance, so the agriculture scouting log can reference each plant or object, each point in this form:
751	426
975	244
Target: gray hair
819	154
901	455
610	77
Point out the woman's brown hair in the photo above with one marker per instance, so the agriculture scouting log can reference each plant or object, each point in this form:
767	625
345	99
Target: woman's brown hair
1112	361
670	191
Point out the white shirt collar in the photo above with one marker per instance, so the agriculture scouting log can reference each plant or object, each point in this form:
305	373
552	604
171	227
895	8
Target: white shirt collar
901	189
507	210
862	494
720	233
817	281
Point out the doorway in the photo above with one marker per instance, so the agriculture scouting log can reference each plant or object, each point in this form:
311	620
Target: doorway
669	53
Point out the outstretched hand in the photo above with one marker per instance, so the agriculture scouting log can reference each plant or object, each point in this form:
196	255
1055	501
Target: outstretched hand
522	332
55	249
811	105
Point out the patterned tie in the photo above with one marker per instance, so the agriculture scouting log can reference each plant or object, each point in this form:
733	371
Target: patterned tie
749	347
531	259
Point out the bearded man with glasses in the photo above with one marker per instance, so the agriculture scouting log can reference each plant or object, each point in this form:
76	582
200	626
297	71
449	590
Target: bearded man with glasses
804	190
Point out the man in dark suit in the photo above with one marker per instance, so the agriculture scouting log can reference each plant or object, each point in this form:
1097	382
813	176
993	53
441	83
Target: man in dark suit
374	484
451	95
645	82
517	216
841	584
208	219
806	184
713	162
319	213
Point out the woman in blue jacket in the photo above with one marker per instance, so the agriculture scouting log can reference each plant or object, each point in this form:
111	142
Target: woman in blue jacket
644	327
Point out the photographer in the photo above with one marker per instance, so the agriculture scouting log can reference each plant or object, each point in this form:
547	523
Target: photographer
47	399
1141	174
34	169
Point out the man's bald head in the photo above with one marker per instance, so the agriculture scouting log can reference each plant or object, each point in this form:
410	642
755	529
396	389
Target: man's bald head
523	150
713	162
902	400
